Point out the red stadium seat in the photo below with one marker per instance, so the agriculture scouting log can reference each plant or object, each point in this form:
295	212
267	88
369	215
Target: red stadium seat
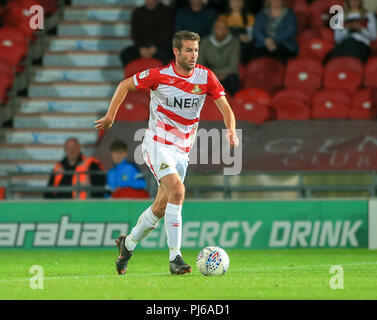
296	94
250	111
17	15
210	112
5	84
344	73
252	95
343	79
132	111
242	74
327	34
6	68
364	105
129	193
373	49
370	79
302	12
265	73
140	65
331	104
291	109
14	35
304	74
320	15
307	35
12	52
345	63
138	97
306	64
316	48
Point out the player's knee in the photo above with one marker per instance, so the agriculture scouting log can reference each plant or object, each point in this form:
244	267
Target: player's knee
159	210
177	193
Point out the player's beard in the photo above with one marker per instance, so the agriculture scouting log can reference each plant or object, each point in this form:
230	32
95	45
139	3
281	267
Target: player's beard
185	65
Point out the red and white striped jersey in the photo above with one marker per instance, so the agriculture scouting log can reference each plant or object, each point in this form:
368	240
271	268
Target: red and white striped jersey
176	102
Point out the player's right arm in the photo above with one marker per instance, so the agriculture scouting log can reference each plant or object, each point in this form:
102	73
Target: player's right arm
107	121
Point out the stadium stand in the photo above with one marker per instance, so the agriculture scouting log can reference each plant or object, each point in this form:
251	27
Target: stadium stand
295	94
290	109
344	73
304	74
79	72
13	46
319	12
140	65
331	104
316	48
210	112
252	95
302	11
265	73
251	111
252	105
370	79
364	105
81	68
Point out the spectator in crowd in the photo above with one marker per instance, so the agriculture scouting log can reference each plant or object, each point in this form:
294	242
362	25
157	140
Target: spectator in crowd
196	18
255	6
241	24
221	53
125	173
371	5
358	33
151	32
76	161
275	32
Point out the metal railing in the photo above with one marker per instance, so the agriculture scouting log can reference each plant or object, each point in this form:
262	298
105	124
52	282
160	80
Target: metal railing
12	187
303	187
262	182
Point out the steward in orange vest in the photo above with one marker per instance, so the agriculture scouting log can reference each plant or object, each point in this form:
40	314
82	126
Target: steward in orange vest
83	164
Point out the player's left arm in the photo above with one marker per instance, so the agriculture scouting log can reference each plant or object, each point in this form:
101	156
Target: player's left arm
229	120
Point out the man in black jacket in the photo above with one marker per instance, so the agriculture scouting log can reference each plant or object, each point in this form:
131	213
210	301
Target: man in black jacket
151	32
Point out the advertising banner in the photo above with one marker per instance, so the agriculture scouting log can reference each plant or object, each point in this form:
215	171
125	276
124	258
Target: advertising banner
229	224
315	145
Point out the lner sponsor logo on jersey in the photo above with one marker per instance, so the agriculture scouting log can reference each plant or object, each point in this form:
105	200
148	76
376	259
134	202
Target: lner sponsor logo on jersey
182	103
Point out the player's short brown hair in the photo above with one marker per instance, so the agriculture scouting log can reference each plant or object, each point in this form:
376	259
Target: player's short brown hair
118	145
184	35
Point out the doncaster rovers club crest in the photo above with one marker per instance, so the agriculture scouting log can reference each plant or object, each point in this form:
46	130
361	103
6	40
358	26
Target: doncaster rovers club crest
196	89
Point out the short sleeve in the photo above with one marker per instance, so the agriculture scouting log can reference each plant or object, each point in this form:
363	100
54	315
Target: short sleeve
147	79
215	89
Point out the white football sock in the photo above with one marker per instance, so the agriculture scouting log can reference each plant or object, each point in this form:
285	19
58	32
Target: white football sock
173	227
146	223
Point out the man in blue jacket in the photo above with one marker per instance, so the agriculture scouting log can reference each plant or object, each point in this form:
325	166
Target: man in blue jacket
275	32
125	173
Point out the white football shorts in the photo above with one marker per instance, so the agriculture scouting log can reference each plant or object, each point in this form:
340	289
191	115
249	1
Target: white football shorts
163	160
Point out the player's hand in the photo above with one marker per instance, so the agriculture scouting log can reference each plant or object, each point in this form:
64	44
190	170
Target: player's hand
103	123
231	136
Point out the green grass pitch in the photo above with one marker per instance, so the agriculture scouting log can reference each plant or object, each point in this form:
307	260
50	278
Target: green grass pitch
267	274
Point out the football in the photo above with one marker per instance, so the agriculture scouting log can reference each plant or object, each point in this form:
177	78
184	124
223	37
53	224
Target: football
212	261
